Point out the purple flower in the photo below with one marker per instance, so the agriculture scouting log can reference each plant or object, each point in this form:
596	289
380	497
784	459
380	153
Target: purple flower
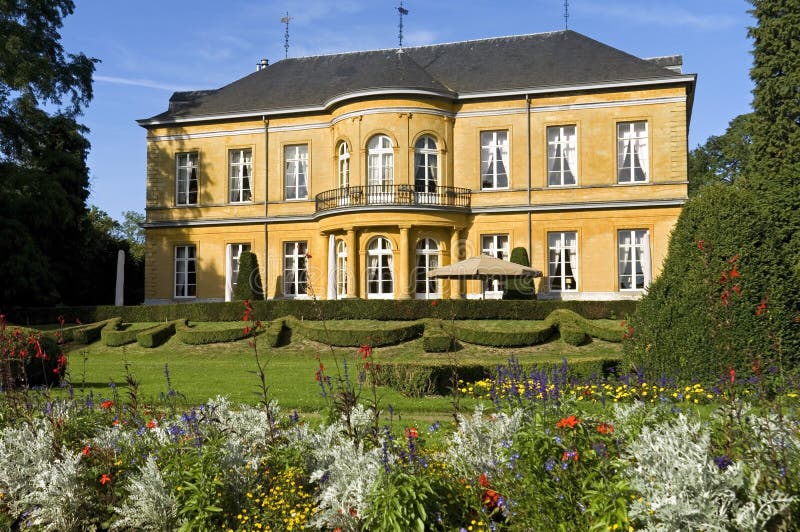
723	462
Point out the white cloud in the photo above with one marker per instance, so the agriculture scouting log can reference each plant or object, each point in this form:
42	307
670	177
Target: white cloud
420	38
140	83
661	15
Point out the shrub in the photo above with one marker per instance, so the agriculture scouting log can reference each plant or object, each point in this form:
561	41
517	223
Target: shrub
115	334
435	339
156	336
248	284
501	334
197	335
692	324
357	333
274	332
519	288
90	333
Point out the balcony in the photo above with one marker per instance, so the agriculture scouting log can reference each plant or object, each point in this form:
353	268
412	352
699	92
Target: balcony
393	196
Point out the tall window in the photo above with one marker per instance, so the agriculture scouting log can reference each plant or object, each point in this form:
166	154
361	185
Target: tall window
632	152
380	283
185	271
295	269
427	260
563	261
634	259
495	246
494	159
234	254
295	176
241	171
186	178
426	165
380	161
344	165
562	156
341	269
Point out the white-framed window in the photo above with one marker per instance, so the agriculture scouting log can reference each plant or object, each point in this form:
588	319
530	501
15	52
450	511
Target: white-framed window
341	269
426	165
295	269
380	161
344	165
295	174
241	172
562	258
634	259
632	152
494	159
233	254
427	260
186	178
185	271
380	278
562	156
495	246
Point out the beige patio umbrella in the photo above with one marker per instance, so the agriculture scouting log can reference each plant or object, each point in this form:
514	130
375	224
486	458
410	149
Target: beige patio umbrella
482	267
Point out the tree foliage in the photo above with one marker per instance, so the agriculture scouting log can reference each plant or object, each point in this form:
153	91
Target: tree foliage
43	174
723	158
696	322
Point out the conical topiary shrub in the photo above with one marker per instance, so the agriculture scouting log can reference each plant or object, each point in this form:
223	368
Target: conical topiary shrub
248	283
519	288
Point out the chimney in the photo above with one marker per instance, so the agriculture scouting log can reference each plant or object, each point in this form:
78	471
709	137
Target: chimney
261	65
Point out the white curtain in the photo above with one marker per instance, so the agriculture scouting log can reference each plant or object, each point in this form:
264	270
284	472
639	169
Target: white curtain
331	267
642	151
571	153
572	243
646	262
228	273
625	258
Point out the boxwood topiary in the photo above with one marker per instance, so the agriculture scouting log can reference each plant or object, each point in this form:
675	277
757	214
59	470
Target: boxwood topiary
91	332
248	283
435	339
156	336
357	333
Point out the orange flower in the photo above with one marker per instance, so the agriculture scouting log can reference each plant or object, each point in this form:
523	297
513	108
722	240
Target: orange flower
484	481
86	450
567	422
411	432
106	404
105	479
152	424
604	428
365	351
762	307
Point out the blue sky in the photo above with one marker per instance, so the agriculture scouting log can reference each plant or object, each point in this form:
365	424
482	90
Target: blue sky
151	48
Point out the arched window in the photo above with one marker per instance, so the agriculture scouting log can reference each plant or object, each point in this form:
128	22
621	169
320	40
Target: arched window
426	165
344	165
380	283
427	260
341	269
380	161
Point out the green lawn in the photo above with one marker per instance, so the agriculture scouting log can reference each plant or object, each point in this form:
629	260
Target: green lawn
203	371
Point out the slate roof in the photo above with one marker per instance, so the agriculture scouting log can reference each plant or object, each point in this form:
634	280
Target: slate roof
456	70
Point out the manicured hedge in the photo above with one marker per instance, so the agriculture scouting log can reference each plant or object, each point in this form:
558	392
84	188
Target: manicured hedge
197	335
115	334
435	339
521	334
156	336
386	310
356	333
571	324
274	332
91	332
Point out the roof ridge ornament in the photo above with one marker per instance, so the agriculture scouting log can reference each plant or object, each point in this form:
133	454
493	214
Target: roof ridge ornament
402	11
285	20
566	14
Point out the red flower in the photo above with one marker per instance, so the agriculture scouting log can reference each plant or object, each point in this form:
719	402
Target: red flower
490	499
724	297
570	454
567	422
723	278
484	481
105	479
604	428
86	450
732	374
733	260
734	272
365	351
106	404
246	330
434	303
152	424
700	245
762	307
411	432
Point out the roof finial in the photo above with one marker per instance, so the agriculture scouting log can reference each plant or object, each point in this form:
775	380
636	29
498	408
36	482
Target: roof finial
402	11
566	14
285	20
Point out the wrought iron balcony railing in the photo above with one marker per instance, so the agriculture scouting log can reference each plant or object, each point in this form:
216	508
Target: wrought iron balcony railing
393	195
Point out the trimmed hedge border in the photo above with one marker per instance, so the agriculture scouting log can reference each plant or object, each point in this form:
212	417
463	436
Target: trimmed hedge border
113	335
342	336
274	332
196	336
418	380
385	310
435	339
156	336
90	333
472	332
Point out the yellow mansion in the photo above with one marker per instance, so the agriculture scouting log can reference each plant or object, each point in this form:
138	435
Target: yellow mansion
352	175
